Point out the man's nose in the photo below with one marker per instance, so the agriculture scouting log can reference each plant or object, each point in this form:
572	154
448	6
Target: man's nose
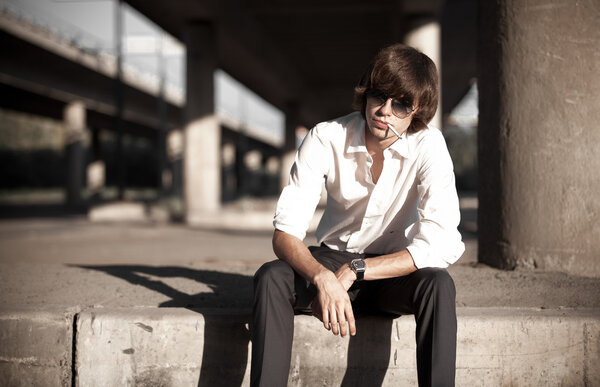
386	108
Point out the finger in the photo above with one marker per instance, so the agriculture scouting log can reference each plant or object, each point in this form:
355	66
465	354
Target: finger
334	324
325	319
349	313
343	328
343	320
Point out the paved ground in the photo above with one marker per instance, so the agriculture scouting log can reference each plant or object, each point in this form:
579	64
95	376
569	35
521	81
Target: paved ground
74	263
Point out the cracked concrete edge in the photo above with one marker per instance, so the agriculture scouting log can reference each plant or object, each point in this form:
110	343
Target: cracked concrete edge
96	346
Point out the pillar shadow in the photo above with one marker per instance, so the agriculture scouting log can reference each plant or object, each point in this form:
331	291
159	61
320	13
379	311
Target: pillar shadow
226	339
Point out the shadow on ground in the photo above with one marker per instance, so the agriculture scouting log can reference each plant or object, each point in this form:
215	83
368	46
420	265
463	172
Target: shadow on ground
226	339
226	290
225	352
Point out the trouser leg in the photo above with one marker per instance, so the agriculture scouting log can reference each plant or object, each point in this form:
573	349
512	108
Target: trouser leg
430	295
272	324
278	291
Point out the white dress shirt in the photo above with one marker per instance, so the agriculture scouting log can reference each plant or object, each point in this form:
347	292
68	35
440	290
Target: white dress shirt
413	205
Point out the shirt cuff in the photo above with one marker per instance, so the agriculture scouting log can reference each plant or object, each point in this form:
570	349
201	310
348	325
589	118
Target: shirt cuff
290	230
421	258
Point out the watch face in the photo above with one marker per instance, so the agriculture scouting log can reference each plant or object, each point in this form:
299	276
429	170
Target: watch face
358	264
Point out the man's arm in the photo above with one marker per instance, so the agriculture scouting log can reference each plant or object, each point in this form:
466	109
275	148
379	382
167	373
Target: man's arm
332	297
385	266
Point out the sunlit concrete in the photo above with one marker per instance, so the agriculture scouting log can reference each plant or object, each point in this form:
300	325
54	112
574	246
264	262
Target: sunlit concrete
202	160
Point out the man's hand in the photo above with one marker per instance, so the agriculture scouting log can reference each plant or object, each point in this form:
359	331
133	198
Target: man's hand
332	304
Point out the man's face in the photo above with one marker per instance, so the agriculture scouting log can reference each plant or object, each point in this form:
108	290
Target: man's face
380	110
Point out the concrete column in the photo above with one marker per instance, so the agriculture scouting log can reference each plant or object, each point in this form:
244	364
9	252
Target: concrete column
202	177
538	135
424	34
241	171
96	169
175	148
74	125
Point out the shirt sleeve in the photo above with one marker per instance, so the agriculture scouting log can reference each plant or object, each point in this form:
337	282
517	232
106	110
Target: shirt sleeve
434	238
298	200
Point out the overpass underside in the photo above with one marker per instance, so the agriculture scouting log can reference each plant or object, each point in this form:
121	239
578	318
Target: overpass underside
537	69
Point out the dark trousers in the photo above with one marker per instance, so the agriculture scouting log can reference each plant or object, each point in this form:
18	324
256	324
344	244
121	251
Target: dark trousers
428	293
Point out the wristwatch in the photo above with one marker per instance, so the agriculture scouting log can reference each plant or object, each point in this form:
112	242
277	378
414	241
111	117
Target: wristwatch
358	266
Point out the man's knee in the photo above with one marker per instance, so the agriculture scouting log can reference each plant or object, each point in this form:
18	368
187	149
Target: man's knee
274	273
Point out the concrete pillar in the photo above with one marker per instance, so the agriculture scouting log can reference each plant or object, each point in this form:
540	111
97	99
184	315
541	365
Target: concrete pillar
202	177
424	34
164	177
538	135
229	178
120	101
241	171
74	125
96	169
175	148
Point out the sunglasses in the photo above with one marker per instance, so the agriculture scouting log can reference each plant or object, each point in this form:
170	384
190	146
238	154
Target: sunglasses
401	109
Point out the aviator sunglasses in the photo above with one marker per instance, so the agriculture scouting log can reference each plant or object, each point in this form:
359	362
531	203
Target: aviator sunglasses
401	109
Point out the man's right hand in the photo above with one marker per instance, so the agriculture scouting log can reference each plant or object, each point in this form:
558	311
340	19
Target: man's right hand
332	305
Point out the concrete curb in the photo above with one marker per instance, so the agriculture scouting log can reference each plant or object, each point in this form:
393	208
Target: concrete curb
180	347
36	347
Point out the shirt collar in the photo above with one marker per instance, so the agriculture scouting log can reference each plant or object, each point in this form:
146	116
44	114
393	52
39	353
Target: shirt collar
401	146
357	140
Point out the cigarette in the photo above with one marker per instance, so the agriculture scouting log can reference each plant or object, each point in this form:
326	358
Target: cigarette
393	130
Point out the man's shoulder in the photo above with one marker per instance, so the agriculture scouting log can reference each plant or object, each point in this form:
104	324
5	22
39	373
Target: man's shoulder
429	144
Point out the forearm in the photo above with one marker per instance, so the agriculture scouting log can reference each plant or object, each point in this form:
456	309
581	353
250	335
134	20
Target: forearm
293	251
389	266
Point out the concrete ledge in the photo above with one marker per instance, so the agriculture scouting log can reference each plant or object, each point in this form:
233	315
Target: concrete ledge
178	347
167	347
36	347
181	347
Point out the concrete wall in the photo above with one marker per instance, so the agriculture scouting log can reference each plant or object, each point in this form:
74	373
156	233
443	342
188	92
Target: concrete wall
538	135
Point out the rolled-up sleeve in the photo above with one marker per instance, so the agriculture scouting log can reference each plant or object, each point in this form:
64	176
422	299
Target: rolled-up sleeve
434	240
298	200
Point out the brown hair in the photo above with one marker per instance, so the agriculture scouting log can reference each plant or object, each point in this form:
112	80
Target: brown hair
404	73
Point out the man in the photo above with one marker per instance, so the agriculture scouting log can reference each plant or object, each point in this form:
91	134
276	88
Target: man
388	231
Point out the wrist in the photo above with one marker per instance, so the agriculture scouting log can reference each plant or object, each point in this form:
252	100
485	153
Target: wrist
358	266
322	276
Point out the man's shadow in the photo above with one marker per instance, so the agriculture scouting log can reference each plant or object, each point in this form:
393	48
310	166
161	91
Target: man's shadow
226	339
225	352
